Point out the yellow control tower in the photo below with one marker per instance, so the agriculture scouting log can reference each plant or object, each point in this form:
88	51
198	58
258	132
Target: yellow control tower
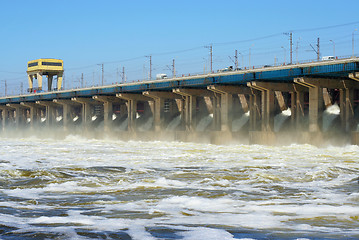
45	66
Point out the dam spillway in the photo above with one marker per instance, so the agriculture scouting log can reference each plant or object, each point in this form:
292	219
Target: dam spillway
232	106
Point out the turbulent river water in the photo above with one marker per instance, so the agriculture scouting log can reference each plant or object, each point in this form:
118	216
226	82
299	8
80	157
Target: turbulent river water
80	188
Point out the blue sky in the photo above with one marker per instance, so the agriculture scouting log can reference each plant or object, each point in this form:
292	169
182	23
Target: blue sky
121	33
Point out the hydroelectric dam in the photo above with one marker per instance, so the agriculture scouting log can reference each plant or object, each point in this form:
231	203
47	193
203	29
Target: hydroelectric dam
305	103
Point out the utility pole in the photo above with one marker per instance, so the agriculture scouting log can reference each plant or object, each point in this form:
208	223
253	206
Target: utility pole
353	41
211	55
236	59
21	87
211	52
5	88
117	75
173	69
318	50
102	72
150	57
82	80
123	75
291	47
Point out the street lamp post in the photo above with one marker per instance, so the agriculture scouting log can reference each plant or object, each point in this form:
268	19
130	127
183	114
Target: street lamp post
333	47
353	41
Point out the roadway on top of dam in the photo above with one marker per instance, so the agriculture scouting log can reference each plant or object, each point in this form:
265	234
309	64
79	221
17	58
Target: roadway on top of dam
328	69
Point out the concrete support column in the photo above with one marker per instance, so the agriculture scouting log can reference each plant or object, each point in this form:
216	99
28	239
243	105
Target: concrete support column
316	108
346	109
131	114
297	109
5	117
50	112
224	108
86	110
217	111
316	102
254	109
39	80
19	114
159	99
132	100
108	110
49	82
59	81
31	82
189	110
67	108
34	113
316	99
268	108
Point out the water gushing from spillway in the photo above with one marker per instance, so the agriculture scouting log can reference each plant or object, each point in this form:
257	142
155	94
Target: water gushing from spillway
280	119
204	123
329	115
147	125
124	125
174	123
237	124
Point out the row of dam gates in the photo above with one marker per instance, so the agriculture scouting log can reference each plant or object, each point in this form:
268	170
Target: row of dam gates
305	103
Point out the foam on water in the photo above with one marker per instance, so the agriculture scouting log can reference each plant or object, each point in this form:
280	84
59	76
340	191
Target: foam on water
80	187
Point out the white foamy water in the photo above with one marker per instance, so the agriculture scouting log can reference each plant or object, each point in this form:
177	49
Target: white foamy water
280	118
80	188
237	124
329	115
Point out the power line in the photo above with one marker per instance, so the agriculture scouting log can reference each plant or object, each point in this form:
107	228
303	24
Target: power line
326	27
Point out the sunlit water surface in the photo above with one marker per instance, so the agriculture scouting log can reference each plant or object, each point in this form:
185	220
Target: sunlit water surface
97	189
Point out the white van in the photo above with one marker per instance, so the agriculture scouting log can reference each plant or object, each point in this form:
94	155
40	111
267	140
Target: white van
161	76
327	58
